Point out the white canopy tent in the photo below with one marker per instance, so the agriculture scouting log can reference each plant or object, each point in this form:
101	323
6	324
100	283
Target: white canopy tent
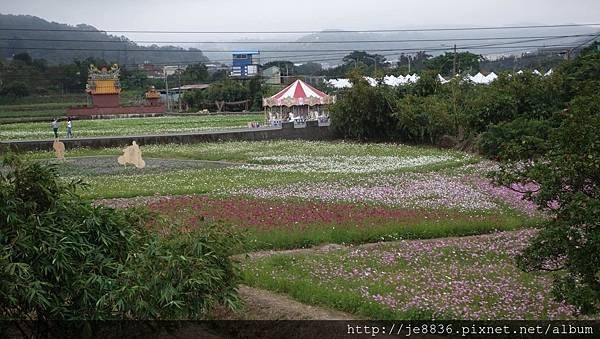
395	81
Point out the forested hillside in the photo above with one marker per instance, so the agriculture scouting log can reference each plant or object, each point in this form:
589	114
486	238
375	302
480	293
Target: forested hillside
61	44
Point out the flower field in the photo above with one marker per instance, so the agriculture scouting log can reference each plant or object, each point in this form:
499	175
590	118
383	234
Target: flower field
382	174
430	190
449	278
418	232
280	224
128	126
286	194
343	164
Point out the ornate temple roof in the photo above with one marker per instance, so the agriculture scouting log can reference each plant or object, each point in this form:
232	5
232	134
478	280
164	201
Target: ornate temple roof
104	80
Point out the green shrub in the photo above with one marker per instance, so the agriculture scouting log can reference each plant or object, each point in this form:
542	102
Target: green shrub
363	112
63	259
488	105
423	119
427	84
524	96
16	90
228	91
517	139
581	76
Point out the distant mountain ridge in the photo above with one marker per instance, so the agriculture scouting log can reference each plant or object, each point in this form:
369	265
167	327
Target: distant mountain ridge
313	47
307	48
37	42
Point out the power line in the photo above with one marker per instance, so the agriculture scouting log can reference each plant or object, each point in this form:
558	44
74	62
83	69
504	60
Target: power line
391	52
299	42
339	52
325	57
181	50
272	51
299	31
582	44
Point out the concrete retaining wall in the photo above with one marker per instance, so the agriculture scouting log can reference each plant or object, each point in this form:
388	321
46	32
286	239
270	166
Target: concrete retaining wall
311	132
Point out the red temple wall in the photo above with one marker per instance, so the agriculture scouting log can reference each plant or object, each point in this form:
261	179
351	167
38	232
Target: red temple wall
75	111
106	100
154	102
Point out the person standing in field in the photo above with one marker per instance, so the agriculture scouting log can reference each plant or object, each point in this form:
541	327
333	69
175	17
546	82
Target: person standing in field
69	128
55	127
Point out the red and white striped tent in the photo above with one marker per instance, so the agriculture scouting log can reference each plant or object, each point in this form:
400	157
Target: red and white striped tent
299	93
298	100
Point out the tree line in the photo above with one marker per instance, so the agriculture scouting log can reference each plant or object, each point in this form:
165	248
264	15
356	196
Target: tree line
543	130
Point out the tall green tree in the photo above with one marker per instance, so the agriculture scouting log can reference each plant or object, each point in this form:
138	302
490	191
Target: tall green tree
567	186
565	182
364	112
444	64
196	73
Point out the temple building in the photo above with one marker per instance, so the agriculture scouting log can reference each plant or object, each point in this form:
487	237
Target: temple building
104	88
153	97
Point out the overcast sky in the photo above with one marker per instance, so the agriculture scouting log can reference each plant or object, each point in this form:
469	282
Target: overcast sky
303	14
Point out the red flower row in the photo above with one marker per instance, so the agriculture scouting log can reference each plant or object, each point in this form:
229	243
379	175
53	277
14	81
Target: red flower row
272	214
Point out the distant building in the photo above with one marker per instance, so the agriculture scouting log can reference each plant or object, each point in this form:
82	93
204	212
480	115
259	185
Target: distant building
175	92
211	67
170	70
272	75
152	71
158	72
245	64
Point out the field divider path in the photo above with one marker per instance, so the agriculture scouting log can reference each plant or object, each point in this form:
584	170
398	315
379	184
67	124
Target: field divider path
262	304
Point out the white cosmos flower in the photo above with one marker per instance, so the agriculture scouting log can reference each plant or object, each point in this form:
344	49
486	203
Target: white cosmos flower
343	164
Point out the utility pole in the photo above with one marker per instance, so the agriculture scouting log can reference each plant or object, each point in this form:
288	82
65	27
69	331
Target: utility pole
374	64
167	89
179	92
409	64
454	64
375	67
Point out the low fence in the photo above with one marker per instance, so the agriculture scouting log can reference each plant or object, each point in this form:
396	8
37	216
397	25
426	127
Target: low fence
287	131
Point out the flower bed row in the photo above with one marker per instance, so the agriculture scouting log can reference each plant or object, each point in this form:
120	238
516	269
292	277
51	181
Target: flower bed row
408	190
281	224
346	164
453	278
278	214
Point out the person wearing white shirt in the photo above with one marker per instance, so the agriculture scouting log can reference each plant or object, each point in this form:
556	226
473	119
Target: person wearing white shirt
69	128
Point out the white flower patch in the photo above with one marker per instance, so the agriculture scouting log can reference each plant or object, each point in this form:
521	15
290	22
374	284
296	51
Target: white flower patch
343	164
404	190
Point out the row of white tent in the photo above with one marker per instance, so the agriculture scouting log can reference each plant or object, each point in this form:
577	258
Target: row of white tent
392	80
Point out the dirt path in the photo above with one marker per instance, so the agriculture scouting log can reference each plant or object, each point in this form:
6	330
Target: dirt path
333	247
266	305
